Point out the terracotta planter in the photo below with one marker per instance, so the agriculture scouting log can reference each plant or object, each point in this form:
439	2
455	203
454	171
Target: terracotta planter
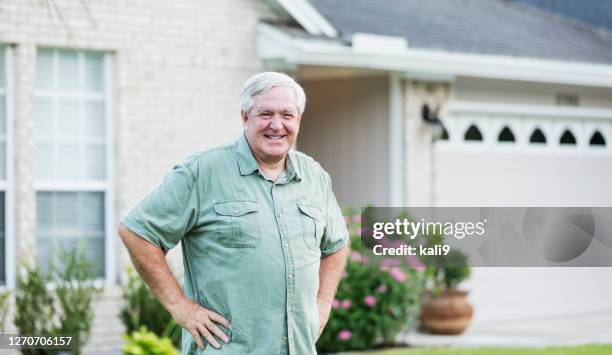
448	313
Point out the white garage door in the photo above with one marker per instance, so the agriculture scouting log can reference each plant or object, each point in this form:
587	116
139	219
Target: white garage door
493	155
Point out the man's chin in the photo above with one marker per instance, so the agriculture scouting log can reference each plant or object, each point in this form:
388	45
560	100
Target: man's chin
276	154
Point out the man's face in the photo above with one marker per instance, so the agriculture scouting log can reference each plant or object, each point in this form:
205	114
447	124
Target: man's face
272	124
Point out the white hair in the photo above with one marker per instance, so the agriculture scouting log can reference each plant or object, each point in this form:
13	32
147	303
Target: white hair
260	83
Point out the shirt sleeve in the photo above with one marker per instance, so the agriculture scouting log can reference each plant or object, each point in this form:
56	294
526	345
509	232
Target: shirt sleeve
335	235
169	211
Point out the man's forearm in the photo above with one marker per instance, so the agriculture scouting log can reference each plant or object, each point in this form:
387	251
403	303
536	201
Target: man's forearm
329	274
151	264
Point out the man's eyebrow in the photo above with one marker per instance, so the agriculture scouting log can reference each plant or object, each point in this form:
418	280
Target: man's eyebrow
282	110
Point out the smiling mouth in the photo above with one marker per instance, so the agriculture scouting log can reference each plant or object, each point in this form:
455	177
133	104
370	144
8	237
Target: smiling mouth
274	137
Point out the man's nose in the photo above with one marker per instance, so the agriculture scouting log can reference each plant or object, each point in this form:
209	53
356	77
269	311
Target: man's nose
276	123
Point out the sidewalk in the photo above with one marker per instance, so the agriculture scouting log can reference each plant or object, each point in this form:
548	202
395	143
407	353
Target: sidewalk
588	328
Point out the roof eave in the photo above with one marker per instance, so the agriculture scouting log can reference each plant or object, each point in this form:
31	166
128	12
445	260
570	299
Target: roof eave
307	16
278	48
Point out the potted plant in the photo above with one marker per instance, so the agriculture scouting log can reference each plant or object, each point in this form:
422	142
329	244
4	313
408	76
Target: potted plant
445	308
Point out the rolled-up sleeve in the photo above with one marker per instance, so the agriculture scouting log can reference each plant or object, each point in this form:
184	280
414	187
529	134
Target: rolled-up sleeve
335	235
169	211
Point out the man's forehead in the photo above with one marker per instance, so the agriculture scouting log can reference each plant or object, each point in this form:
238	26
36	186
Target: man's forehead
283	98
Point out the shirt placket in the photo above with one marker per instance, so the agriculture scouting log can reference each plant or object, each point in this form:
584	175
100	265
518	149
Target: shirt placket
288	339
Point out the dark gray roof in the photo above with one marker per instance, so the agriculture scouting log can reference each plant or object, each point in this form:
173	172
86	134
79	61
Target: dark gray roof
596	13
471	26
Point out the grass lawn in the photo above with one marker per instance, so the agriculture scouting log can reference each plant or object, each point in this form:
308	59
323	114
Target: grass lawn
573	350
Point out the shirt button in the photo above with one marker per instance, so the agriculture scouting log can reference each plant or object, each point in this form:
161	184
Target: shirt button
286	244
285	338
280	215
290	276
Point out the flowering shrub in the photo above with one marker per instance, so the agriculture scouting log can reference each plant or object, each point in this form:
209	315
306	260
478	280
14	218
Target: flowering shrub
375	300
144	342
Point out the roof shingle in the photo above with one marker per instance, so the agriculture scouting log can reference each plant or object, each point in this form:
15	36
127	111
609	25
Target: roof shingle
496	27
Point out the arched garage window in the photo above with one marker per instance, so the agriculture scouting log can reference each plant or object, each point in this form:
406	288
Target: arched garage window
506	135
537	137
444	135
597	139
473	134
567	138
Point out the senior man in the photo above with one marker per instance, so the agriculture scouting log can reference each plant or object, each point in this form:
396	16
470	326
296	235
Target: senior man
263	238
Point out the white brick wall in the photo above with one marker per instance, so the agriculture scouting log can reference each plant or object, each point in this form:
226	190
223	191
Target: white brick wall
178	69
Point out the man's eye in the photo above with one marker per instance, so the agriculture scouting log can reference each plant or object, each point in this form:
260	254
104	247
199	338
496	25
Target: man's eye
266	114
288	115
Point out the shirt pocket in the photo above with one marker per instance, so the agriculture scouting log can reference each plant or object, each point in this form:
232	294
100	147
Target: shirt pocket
313	225
237	225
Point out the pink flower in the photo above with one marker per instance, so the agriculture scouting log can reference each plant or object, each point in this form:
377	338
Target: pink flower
346	304
398	274
335	304
381	288
414	263
355	256
389	262
370	301
345	335
346	219
357	218
344	274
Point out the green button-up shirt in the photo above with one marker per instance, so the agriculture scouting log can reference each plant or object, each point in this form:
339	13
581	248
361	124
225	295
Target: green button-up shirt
251	246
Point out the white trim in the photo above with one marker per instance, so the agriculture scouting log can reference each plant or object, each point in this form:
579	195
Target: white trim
396	142
9	204
109	196
67	185
69	94
277	47
530	110
308	17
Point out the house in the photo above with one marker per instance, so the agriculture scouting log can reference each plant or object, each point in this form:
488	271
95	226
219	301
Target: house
525	96
87	132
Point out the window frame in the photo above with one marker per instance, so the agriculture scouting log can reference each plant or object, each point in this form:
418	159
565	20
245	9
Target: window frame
108	185
7	186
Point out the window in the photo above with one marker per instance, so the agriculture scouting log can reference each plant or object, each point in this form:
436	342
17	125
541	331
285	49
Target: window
5	259
506	135
567	138
473	134
444	136
597	139
537	137
71	148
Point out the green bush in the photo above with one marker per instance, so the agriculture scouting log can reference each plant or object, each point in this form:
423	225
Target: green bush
57	302
141	308
375	300
4	307
144	342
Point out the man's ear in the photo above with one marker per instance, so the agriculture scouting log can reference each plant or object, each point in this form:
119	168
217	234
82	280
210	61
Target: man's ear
244	116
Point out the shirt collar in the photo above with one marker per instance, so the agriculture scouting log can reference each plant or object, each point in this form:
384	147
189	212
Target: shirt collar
246	160
248	164
293	170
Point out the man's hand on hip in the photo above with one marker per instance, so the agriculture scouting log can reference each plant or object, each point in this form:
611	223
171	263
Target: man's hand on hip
198	320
